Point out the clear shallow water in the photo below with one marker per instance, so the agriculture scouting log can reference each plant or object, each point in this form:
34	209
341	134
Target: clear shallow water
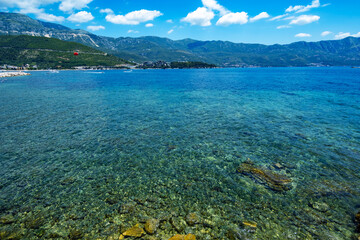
87	155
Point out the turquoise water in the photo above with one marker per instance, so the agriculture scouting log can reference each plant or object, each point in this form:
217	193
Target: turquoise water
90	154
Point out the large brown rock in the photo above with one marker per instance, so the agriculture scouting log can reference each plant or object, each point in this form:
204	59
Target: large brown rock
273	180
183	237
135	231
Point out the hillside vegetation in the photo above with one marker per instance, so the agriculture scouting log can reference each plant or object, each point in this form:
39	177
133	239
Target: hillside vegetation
51	53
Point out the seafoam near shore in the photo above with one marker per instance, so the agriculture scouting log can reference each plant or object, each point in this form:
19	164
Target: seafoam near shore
13	74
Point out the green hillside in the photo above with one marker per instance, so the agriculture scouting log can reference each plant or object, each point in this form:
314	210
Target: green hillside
51	53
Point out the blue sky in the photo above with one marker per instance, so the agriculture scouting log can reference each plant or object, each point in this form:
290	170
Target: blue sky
257	21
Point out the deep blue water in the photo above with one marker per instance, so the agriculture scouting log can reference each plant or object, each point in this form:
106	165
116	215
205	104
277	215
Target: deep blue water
91	154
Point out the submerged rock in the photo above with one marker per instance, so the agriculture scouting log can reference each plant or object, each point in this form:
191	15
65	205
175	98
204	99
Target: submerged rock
127	207
76	234
273	180
320	206
357	217
327	188
178	223
34	222
67	181
151	226
183	237
135	231
10	235
357	220
238	234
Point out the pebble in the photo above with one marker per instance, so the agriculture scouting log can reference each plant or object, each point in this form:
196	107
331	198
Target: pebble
250	224
151	226
192	219
236	234
278	166
320	206
178	223
7	219
75	234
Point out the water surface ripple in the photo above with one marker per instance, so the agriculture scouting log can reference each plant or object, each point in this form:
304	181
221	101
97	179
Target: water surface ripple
87	155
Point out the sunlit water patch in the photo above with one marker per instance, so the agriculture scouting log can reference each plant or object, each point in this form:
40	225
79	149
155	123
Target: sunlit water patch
221	154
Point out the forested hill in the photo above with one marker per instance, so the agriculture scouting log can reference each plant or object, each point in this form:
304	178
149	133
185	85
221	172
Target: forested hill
51	53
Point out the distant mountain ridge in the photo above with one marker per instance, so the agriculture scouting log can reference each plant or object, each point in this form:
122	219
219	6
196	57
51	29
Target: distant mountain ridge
223	53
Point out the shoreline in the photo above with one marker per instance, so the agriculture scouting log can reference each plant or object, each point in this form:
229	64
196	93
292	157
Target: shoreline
13	74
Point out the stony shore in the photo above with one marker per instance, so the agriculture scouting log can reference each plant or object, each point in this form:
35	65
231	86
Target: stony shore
12	74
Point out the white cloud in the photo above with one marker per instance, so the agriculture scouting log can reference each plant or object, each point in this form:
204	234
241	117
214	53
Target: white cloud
201	16
300	8
305	19
289	18
133	18
233	18
169	21
49	17
133	31
70	5
170	31
107	10
4	9
260	16
283	26
95	28
213	5
148	25
26	5
342	35
81	17
302	35
279	17
294	8
34	7
324	34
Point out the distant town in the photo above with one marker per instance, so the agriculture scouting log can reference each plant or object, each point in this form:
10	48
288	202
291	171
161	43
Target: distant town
145	65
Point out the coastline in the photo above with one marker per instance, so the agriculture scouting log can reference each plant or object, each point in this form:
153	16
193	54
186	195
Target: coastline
13	74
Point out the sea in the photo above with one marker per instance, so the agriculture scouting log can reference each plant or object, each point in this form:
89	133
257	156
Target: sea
250	153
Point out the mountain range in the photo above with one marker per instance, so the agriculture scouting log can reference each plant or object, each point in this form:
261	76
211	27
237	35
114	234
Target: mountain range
222	53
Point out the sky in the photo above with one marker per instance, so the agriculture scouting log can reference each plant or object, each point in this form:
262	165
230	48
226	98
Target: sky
256	21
